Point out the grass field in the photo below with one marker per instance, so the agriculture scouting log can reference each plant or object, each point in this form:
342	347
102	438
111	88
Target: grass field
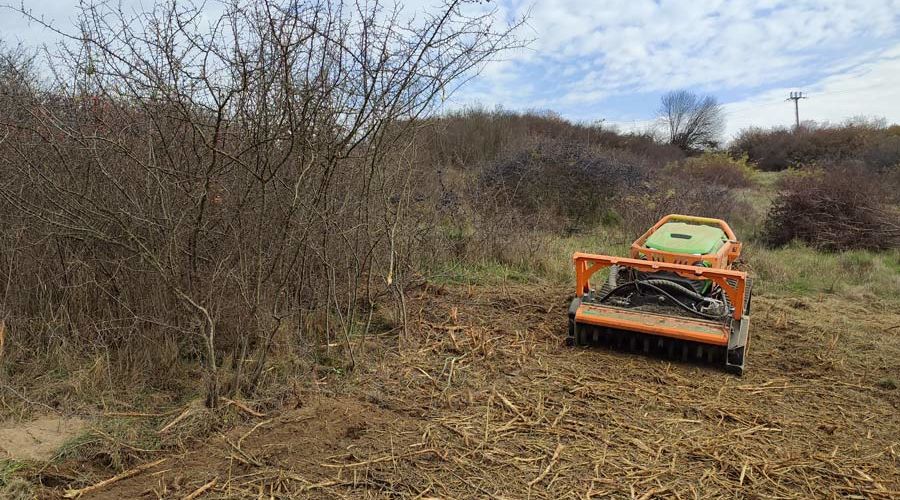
481	398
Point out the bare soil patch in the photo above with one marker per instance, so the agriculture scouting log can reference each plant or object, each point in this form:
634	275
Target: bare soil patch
37	439
482	399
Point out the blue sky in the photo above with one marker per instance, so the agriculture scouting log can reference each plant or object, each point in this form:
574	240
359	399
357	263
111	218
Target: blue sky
612	59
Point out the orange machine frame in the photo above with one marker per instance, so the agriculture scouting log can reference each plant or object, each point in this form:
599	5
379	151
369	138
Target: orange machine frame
734	283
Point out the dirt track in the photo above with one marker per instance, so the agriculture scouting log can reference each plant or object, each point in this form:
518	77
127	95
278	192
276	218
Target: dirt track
485	401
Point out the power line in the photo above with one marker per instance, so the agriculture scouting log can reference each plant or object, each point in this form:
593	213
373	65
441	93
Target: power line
796	96
752	105
805	95
743	108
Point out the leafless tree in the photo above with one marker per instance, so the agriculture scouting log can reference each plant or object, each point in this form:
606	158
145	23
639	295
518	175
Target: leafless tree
17	70
692	122
233	173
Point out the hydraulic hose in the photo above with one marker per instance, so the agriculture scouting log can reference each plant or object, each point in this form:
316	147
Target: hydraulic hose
654	285
671	285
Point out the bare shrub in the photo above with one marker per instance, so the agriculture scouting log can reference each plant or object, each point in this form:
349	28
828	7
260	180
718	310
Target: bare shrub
18	74
780	148
499	186
664	195
223	181
570	180
475	136
882	153
652	153
714	168
837	208
505	231
770	150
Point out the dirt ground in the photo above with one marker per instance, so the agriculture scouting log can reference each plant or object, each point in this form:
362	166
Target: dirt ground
482	399
38	439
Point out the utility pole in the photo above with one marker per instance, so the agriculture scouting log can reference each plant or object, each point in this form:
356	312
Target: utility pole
796	96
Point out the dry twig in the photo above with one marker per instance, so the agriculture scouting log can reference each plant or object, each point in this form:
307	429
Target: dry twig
201	490
106	482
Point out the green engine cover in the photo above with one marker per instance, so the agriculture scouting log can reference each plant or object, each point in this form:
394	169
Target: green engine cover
680	237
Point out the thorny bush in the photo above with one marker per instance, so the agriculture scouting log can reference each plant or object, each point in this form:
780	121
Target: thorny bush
220	185
779	148
573	180
836	208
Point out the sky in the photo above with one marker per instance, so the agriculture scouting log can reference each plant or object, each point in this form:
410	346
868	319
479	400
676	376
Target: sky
611	60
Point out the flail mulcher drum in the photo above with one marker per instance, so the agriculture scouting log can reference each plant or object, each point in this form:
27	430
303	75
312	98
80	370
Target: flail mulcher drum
677	295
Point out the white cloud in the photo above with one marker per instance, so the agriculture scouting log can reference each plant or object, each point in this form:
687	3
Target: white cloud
867	86
588	52
598	58
645	46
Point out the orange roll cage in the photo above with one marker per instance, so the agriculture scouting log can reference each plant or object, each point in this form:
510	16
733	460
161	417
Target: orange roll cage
721	259
645	259
734	283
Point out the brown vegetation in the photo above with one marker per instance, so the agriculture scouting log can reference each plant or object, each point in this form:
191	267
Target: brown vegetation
835	208
485	400
472	137
878	147
153	196
844	192
715	168
578	182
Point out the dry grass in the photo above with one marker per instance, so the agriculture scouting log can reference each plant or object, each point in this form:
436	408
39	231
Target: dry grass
797	270
483	400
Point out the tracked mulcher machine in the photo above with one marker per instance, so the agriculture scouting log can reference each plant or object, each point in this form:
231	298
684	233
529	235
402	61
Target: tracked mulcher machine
677	295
